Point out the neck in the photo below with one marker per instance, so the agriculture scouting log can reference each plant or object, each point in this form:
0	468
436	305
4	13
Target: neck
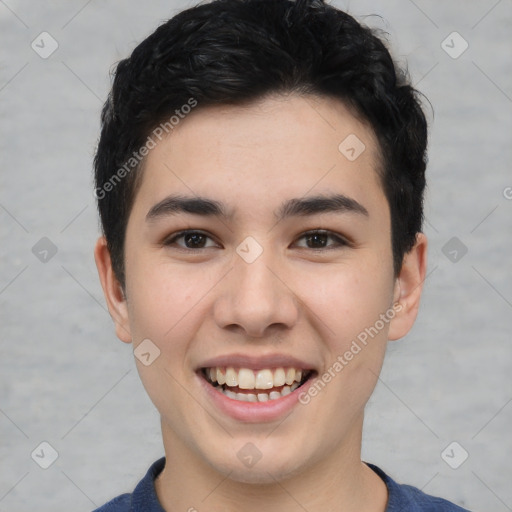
339	482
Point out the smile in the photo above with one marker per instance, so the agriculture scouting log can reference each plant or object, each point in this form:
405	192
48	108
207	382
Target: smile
247	385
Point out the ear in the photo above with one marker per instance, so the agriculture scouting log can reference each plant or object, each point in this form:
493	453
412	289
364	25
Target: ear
408	288
114	294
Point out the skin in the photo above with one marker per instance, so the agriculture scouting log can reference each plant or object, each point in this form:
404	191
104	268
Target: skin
292	299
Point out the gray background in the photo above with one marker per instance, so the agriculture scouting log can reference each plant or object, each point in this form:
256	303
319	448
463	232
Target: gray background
67	380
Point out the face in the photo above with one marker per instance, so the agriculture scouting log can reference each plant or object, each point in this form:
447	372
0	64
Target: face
274	272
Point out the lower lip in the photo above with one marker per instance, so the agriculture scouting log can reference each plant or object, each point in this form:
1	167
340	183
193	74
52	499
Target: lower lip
254	412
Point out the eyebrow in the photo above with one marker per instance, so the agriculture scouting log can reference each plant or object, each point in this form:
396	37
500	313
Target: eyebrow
302	207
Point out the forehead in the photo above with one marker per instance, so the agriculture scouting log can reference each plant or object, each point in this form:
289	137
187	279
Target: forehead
278	147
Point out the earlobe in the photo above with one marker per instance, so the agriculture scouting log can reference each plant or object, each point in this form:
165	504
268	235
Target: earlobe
114	294
408	288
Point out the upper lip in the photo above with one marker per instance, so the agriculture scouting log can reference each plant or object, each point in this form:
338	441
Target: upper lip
256	362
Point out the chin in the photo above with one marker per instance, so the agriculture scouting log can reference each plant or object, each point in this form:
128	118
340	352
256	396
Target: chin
258	476
262	472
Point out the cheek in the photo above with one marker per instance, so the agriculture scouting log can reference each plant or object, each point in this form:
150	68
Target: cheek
161	298
163	305
350	305
349	302
347	299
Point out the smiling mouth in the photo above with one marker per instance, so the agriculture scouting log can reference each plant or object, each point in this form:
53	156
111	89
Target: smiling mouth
247	385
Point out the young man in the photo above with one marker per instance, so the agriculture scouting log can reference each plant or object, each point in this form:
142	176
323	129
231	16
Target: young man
260	178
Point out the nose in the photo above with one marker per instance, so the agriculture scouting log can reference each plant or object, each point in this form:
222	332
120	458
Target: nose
256	298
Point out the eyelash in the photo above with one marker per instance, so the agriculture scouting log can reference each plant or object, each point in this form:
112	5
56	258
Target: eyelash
340	241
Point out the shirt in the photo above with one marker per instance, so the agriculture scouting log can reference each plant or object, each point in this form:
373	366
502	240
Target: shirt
401	498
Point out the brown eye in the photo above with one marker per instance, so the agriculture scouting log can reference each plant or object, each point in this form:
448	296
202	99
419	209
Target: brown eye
319	239
189	240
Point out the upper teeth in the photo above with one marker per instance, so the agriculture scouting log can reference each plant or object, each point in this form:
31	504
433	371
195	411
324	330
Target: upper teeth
246	378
